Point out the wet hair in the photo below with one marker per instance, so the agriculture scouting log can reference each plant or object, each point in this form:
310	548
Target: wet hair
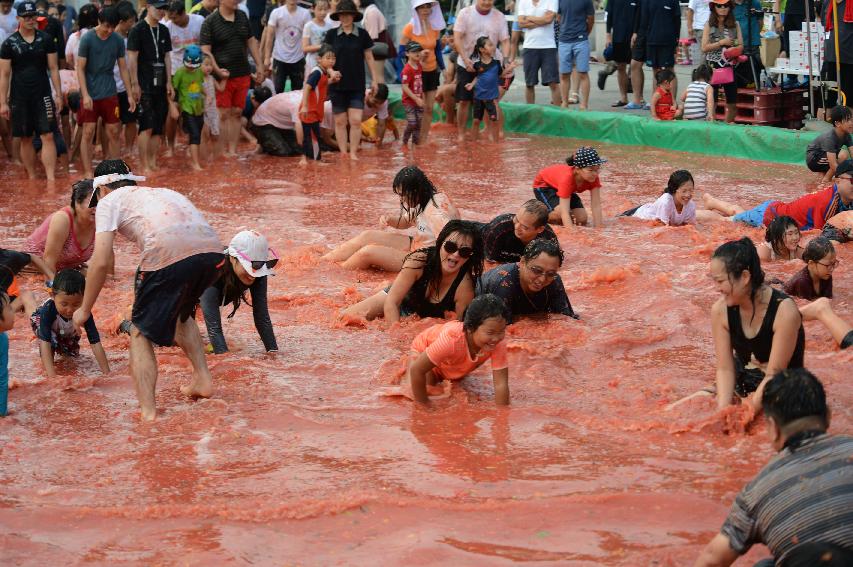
484	307
817	249
677	179
840	114
429	258
260	94
177	7
703	73
80	192
126	11
539	246
793	394
664	75
109	166
69	281
87	17
415	190
108	15
381	92
775	233
538	208
739	256
478	45
324	49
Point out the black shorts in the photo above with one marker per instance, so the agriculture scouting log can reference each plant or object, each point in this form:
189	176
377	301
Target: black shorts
482	107
747	380
548	195
817	162
283	71
660	56
622	52
276	141
152	111
32	116
638	52
164	297
431	80
344	100
192	126
463	77
124	113
542	61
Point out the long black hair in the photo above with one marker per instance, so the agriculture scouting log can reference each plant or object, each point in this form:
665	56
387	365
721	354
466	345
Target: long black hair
415	190
429	258
677	179
775	233
740	255
233	290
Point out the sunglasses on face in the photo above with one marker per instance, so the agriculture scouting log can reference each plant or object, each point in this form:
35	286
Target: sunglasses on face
539	272
721	6
452	247
258	264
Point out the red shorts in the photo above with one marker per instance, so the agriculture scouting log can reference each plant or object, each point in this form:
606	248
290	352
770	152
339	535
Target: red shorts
234	95
106	109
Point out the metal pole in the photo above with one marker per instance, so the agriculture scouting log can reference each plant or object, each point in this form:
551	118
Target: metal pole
809	51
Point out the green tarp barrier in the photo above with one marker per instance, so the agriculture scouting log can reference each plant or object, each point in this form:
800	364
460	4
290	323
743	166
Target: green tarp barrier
761	143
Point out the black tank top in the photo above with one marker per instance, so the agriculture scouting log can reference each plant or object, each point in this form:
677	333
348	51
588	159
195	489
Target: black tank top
760	345
416	300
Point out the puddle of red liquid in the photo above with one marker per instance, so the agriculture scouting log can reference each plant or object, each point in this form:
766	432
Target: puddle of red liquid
297	460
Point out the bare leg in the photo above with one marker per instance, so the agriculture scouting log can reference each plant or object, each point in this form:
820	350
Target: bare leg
233	130
112	149
530	95
554	217
354	118
426	119
723	207
377	256
366	238
130	132
28	156
564	89
171	134
731	112
48	156
153	152
583	87
462	119
637	80
143	368
194	154
341	131
821	310
188	338
370	308
86	148
555	93
142	147
622	80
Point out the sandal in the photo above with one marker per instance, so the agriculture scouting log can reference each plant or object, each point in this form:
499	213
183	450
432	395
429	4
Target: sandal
618	104
574	98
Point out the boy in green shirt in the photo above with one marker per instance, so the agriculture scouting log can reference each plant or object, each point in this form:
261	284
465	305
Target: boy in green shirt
188	83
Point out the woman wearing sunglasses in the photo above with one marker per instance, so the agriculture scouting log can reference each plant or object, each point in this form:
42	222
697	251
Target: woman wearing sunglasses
421	207
721	33
249	260
434	280
531	286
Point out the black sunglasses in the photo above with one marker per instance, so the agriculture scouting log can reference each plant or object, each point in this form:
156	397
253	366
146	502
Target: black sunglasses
258	264
464	251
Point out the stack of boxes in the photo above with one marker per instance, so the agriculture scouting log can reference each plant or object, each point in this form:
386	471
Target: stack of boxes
800	41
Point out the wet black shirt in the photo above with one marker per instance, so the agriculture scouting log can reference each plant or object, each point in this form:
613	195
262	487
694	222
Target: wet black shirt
29	64
504	281
151	54
228	42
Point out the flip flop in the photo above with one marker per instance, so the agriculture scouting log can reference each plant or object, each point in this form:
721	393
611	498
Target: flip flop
618	103
633	106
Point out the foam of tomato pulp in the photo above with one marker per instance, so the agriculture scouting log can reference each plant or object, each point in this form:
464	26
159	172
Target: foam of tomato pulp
297	460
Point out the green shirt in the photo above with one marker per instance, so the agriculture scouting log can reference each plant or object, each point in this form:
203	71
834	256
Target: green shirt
189	84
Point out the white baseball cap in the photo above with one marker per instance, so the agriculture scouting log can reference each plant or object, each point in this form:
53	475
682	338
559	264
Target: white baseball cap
252	250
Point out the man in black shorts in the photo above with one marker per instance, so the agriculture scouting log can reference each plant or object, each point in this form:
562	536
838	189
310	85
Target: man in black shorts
661	20
29	56
638	59
181	257
148	47
621	15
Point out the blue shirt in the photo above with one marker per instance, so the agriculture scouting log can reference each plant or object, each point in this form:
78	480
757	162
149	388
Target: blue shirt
573	15
488	77
742	17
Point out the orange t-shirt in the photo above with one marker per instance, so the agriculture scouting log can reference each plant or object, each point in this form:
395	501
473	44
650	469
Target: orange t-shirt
562	178
427	41
446	346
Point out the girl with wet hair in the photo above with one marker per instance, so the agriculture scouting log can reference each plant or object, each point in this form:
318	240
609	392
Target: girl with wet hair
675	206
66	239
434	280
451	351
421	206
782	240
815	279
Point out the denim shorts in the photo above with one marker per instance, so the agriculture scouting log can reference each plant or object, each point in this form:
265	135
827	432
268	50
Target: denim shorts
754	216
574	55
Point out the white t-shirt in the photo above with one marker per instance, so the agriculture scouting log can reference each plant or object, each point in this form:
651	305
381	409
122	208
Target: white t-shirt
288	33
163	224
182	37
664	210
315	34
369	112
282	111
73	45
701	13
473	24
9	22
438	212
541	37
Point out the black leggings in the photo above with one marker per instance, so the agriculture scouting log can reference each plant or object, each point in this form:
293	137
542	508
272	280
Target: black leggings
309	128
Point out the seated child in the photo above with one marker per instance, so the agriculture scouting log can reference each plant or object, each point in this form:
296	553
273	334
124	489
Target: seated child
815	279
663	105
53	327
697	101
675	207
451	351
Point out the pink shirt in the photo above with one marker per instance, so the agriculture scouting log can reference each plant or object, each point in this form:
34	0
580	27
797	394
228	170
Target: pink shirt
72	254
473	24
447	347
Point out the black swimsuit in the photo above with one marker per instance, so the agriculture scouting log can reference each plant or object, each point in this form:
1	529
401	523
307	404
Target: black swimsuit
747	380
416	302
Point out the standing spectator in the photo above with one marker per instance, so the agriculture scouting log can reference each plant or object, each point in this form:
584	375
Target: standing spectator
353	47
425	28
127	19
720	32
638	59
698	12
377	28
314	33
472	22
748	14
8	20
845	50
662	21
70	17
148	47
52	27
205	8
29	56
536	19
621	15
184	30
226	38
97	54
412	83
188	83
576	20
795	15
88	20
284	45
256	9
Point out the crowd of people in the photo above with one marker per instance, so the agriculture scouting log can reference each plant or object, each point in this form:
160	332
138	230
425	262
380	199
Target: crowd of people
177	70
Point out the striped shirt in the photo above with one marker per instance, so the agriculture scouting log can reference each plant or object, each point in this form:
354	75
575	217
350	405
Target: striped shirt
805	495
696	101
228	41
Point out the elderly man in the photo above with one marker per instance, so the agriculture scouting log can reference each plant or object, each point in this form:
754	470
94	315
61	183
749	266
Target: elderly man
800	504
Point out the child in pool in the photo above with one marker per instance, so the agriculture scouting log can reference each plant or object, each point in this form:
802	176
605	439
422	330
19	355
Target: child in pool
451	351
815	279
782	240
53	327
675	207
7	321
